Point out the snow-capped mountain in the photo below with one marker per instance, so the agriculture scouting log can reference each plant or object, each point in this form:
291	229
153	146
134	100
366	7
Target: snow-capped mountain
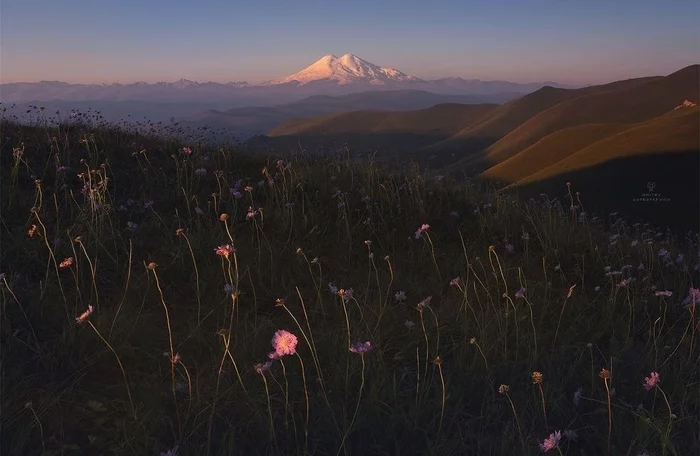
348	69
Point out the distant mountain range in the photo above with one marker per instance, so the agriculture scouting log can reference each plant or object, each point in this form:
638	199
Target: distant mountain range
245	122
328	76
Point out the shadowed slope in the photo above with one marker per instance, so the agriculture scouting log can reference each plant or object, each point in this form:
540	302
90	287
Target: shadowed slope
615	174
624	105
550	150
676	131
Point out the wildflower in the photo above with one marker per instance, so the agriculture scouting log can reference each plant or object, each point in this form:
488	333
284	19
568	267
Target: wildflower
62	169
651	381
400	296
225	250
31	231
66	263
455	282
235	193
663	252
200	172
345	294
284	343
199	210
526	236
503	389
131	226
170	452
537	377
510	248
248	189
409	324
361	347
634	243
84	316
667	293
229	288
692	298
551	442
472	341
332	288
520	293
423	228
577	396
424	303
261	368
604	374
625	282
148	204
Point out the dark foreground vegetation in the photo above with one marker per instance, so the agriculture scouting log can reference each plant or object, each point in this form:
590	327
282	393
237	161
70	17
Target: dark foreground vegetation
145	281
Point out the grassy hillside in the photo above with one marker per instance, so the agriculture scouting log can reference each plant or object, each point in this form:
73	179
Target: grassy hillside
550	150
622	105
614	173
509	116
441	120
678	130
159	295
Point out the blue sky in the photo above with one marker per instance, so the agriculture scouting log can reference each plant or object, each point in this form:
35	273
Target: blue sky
568	41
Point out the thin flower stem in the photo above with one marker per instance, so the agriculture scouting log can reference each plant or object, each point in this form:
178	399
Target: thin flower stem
126	381
357	407
517	422
306	393
269	407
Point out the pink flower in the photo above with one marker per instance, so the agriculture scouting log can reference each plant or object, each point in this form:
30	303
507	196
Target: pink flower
84	316
361	347
455	282
284	343
651	381
423	228
551	442
520	293
224	250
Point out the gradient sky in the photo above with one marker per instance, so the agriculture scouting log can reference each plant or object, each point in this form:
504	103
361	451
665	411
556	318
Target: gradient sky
567	41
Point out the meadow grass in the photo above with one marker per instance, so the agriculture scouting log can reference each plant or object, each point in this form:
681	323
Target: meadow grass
143	280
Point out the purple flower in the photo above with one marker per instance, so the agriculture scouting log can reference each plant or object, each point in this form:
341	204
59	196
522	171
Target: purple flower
400	296
361	347
692	298
455	282
577	396
261	368
423	228
510	248
170	452
520	293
